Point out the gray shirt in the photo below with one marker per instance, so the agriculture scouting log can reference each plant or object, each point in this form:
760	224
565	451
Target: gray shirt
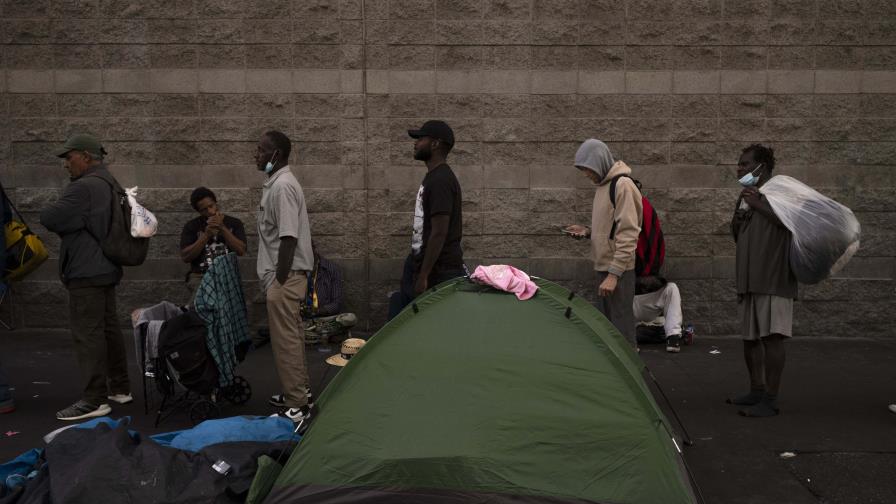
762	262
282	213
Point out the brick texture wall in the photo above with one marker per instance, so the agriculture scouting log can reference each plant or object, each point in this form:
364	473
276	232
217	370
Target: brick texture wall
180	91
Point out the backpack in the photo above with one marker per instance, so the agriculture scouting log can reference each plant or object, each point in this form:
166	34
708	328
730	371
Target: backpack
324	295
119	246
182	345
24	250
651	250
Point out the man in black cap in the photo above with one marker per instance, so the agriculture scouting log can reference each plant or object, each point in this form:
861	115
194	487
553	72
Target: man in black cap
436	253
81	218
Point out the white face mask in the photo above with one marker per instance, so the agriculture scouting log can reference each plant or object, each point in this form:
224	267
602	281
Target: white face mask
750	179
268	168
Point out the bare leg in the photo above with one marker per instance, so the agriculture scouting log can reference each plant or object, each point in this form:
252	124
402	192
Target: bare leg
753	356
774	362
773	345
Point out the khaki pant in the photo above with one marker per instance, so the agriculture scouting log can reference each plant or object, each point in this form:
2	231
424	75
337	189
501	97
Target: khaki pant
99	343
288	337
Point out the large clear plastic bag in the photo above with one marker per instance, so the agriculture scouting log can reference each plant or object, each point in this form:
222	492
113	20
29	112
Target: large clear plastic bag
825	233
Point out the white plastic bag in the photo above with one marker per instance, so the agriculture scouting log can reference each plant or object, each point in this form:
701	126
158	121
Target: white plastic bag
143	222
825	233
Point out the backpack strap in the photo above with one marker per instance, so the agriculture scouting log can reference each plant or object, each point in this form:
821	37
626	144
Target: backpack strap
112	206
613	187
613	199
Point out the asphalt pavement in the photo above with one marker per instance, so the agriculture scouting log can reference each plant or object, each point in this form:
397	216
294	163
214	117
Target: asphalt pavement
834	419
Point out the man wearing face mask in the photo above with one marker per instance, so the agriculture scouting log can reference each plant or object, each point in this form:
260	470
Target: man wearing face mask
614	233
81	217
766	286
284	260
436	254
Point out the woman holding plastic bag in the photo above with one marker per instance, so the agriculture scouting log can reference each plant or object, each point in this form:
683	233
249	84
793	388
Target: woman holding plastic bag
766	285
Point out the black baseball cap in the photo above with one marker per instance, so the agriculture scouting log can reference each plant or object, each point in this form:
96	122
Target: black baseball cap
434	129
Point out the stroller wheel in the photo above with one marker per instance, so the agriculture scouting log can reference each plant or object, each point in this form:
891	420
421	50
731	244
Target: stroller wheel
202	410
239	392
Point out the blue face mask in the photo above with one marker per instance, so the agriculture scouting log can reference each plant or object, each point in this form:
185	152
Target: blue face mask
750	179
268	168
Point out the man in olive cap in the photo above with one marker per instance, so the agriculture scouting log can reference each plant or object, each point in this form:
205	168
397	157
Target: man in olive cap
436	254
81	218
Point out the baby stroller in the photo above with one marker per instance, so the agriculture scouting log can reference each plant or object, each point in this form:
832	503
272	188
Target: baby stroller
188	354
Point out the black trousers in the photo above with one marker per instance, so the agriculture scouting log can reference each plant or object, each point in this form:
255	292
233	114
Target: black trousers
99	343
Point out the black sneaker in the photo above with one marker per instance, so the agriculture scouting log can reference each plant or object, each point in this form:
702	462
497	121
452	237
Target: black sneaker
673	343
279	400
82	409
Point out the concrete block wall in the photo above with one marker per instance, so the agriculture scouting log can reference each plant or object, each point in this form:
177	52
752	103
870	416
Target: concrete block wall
181	91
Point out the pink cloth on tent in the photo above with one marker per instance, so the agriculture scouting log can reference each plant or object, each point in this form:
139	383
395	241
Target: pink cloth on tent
506	278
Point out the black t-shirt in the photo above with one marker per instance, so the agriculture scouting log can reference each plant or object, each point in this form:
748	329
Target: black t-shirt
439	194
215	246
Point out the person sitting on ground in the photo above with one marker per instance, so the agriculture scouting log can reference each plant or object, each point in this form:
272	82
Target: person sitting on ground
208	236
658	304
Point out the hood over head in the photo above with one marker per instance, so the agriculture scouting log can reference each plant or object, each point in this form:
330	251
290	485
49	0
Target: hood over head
596	156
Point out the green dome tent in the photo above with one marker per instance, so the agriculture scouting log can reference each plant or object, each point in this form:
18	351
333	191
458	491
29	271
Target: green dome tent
471	395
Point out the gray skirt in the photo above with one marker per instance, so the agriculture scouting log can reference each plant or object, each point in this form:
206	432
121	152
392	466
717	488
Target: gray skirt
764	314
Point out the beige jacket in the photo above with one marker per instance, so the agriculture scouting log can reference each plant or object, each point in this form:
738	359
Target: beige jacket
616	255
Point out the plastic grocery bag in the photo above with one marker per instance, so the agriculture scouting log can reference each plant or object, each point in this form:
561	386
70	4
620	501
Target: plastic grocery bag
143	222
825	233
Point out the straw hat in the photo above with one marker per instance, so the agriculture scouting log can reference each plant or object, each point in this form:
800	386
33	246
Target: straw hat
349	348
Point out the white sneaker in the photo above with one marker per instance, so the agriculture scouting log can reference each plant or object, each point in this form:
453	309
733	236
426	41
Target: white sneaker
121	398
81	410
893	408
297	415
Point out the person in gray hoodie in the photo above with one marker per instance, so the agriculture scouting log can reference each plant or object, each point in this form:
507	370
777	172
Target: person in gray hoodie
614	233
81	218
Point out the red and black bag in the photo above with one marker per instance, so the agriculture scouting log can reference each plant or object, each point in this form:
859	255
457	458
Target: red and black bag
651	249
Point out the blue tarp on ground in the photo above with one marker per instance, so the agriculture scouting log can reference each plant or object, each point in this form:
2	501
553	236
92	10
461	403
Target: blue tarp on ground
15	472
223	430
228	430
102	461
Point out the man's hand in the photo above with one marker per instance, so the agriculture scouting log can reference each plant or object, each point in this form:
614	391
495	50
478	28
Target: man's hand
608	286
750	195
576	231
420	285
214	224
